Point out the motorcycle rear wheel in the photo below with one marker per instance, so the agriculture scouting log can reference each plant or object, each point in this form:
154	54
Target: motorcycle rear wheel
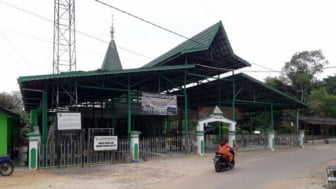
6	169
232	165
218	167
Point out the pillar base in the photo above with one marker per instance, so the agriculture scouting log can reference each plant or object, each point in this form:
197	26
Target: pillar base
200	142
34	139
302	137
135	145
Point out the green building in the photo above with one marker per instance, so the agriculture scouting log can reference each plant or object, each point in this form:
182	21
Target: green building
9	132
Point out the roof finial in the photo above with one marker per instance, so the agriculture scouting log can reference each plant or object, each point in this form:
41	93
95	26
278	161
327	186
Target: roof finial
112	29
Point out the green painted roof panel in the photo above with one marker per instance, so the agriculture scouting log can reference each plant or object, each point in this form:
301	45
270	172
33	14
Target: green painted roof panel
100	72
111	60
199	42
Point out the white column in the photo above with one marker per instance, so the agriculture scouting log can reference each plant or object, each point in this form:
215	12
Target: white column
232	134
200	138
135	145
271	140
301	137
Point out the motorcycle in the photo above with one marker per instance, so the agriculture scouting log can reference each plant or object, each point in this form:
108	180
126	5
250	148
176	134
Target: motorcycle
6	165
222	163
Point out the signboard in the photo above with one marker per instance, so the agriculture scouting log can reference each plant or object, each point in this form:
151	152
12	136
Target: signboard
158	104
104	143
68	121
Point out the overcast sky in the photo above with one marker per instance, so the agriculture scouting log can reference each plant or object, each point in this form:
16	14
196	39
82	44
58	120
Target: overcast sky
263	32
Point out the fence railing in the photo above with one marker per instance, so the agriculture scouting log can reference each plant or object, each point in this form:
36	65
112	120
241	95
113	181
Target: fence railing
286	140
255	142
80	152
162	146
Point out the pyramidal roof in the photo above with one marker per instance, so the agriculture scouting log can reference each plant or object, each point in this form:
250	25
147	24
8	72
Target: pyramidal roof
111	60
202	42
217	111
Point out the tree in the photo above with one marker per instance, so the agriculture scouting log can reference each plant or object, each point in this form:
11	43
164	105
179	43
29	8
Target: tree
322	103
300	72
14	103
330	84
279	84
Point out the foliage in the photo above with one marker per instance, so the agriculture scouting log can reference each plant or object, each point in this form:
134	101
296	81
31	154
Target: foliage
300	72
322	103
14	103
279	84
11	101
330	84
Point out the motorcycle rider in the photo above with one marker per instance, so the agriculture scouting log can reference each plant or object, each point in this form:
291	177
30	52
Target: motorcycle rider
224	148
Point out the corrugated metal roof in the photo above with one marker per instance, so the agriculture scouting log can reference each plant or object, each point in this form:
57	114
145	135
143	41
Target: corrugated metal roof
199	42
100	72
251	94
318	120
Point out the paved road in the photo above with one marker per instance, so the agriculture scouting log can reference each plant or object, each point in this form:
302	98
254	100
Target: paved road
261	171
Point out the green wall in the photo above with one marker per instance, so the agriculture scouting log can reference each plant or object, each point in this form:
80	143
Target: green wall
8	131
3	133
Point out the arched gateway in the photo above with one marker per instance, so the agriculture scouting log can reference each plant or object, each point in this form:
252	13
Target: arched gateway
216	116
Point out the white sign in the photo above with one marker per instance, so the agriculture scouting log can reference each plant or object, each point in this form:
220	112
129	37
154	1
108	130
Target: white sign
68	121
103	143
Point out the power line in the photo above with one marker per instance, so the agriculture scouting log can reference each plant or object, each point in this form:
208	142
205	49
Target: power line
263	67
80	32
263	71
26	11
165	29
104	41
50	42
15	50
330	67
148	22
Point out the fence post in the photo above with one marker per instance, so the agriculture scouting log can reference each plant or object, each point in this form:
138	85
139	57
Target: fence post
135	145
301	138
34	140
271	140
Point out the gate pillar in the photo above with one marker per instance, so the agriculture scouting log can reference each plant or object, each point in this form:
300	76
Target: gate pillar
232	134
34	139
301	138
200	138
271	140
135	145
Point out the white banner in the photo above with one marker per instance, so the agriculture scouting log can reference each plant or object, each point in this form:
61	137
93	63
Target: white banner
68	121
158	104
104	143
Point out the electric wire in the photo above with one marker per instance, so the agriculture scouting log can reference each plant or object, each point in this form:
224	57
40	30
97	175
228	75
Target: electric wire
163	28
139	18
15	50
148	22
80	32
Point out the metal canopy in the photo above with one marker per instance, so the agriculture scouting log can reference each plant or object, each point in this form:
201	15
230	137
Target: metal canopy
248	94
206	55
99	85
